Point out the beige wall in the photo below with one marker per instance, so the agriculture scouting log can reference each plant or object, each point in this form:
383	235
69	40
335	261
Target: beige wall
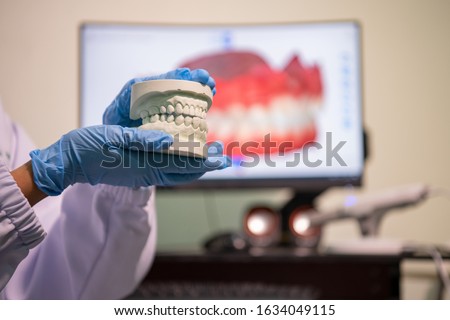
406	84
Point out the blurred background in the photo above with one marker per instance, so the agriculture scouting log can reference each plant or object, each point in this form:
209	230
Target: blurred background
406	77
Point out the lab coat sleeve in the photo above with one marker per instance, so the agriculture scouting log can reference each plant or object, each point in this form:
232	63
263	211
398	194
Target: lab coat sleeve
100	243
100	247
20	230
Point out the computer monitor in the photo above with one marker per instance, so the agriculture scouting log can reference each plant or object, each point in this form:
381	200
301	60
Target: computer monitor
288	106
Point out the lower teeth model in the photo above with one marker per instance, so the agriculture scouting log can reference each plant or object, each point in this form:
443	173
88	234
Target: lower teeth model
177	107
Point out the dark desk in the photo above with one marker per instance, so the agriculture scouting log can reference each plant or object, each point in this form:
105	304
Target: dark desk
271	275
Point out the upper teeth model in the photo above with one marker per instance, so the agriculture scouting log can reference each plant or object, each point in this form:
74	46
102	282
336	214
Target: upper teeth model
177	107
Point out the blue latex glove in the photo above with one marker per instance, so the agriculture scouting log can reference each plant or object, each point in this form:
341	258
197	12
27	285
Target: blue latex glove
118	112
117	156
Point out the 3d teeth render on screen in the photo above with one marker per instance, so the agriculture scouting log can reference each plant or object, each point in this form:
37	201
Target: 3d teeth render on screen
177	107
256	99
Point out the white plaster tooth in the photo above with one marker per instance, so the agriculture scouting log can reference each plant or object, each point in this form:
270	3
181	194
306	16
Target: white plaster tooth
162	117
143	114
170	118
198	112
192	110
145	120
163	109
152	109
170	109
179	108
179	119
203	125
196	122
187	120
154	118
186	110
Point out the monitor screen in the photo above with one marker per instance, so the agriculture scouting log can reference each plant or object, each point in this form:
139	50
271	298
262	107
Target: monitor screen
288	106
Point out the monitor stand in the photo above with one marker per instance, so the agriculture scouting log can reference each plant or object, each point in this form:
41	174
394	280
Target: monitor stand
299	200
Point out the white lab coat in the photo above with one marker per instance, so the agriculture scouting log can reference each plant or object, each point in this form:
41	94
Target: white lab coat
100	239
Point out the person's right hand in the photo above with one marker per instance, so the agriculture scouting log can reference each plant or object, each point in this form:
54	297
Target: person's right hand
114	155
118	112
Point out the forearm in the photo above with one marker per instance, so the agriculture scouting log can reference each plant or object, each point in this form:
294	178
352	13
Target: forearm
23	176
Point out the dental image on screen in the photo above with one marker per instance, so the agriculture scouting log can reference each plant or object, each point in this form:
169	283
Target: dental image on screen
288	101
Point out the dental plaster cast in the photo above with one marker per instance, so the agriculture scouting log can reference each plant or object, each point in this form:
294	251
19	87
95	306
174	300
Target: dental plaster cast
177	107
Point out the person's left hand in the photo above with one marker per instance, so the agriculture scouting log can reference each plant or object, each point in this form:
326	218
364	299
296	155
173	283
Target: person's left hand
118	112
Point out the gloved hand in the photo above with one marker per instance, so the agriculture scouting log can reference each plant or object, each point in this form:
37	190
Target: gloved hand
117	156
118	112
